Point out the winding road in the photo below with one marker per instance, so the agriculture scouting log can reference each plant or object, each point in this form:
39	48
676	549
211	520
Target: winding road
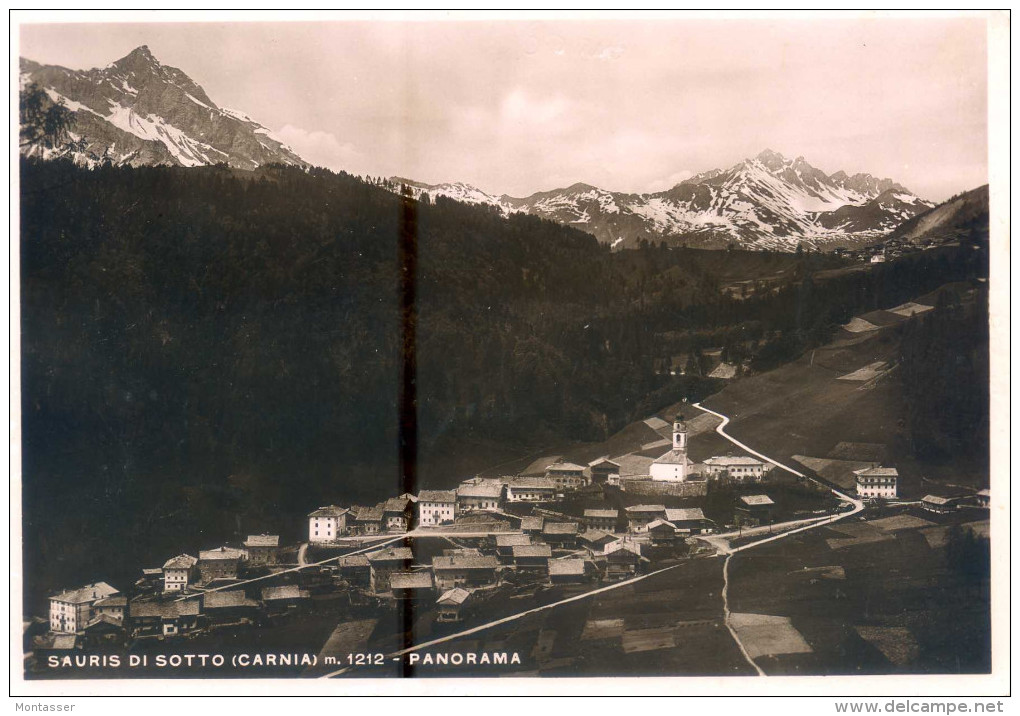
857	507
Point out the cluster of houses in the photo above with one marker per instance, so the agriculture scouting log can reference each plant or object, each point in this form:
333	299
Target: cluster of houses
433	508
880	253
169	600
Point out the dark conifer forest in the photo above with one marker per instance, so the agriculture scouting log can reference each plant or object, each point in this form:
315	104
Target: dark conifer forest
209	352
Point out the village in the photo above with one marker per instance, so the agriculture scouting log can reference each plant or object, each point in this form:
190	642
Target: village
462	554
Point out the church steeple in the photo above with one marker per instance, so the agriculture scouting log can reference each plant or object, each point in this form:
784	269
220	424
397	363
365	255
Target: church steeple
679	433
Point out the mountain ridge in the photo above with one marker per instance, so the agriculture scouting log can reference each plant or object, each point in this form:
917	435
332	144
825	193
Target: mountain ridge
138	111
764	202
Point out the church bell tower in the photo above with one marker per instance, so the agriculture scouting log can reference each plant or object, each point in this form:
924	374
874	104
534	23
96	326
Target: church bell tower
679	433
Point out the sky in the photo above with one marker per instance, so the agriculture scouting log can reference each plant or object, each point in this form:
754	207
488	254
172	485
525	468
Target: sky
517	107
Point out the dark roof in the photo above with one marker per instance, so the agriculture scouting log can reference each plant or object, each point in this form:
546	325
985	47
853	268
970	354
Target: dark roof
166	610
103	620
560	528
209	555
353	560
877	472
646	509
532	523
512	540
287	591
457	595
727	460
396	504
594	536
533	550
458	561
605	462
181	561
391	554
262	541
370	514
437	496
329	511
115	601
564	467
411	580
532	483
673	457
225	599
684	514
480	491
88	593
566	567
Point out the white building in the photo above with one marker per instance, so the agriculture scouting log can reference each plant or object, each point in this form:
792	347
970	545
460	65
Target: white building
71	610
565	475
481	496
674	466
327	523
530	489
436	507
738	467
877	482
177	572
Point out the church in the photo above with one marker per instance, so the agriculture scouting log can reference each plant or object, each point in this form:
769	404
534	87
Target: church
674	466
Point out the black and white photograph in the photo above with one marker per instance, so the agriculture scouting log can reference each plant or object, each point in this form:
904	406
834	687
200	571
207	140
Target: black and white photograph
370	350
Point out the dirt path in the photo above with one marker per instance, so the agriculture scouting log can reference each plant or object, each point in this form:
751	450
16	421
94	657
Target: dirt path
857	507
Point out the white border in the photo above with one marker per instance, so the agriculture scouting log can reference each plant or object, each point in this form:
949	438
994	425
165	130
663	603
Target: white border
825	687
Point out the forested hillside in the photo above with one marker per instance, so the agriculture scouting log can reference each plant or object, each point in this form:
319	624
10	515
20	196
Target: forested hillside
208	352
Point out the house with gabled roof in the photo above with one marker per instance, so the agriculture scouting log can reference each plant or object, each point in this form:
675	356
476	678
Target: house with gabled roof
481	496
689	520
754	510
220	563
115	607
385	562
283	597
640	516
736	467
412	586
560	534
505	544
601	519
532	558
436	507
596	540
367	520
262	549
453	604
571	570
565	475
602	472
623	558
469	571
179	572
327	524
172	618
398	513
531	489
938	505
355	570
877	482
71	609
229	606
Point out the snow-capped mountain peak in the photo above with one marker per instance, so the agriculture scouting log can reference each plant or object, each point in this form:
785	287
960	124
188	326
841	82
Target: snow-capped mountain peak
139	111
767	201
